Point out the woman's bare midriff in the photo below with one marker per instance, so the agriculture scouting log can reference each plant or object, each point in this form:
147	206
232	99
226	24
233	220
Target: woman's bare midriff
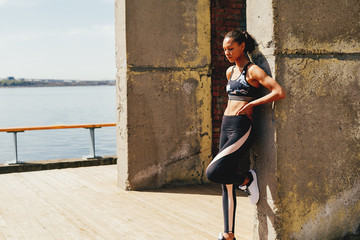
233	107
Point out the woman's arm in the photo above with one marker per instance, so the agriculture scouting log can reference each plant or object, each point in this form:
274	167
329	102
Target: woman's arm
276	91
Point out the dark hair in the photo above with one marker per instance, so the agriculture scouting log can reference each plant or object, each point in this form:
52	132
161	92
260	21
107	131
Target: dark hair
241	37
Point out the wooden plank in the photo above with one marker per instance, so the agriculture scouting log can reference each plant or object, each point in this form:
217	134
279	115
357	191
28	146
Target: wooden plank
88	209
22	129
70	215
164	208
85	203
197	213
142	220
17	222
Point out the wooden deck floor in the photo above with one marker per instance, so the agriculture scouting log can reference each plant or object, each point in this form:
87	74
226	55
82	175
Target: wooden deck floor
85	203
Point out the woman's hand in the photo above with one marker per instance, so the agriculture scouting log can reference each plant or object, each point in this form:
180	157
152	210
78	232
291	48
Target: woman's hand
247	109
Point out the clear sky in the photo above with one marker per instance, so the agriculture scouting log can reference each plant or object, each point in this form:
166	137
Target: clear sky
57	39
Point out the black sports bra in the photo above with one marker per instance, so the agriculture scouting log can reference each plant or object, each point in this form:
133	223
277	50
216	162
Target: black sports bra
239	89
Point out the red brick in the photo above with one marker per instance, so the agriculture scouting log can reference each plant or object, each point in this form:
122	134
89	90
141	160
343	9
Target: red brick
226	15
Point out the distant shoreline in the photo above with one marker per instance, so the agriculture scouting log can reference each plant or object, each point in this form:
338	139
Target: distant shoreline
13	83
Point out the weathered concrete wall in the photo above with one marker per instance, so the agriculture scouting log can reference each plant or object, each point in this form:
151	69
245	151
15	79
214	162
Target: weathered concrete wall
164	94
264	152
310	186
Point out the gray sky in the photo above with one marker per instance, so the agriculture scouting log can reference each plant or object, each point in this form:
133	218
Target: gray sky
57	39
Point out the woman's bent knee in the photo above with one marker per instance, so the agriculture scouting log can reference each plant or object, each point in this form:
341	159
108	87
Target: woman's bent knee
211	175
208	174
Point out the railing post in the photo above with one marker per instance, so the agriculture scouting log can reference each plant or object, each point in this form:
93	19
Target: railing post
15	144
92	144
15	147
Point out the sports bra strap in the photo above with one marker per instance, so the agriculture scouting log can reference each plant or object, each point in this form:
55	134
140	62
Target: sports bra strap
232	71
244	69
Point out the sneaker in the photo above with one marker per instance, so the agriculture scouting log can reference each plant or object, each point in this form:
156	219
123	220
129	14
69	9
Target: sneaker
221	237
252	190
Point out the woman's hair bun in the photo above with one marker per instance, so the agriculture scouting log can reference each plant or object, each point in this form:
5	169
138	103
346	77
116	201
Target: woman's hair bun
249	43
241	37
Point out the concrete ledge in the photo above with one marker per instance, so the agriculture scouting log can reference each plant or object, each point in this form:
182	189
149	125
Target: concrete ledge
56	164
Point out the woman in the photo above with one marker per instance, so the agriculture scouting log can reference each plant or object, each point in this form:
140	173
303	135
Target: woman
244	78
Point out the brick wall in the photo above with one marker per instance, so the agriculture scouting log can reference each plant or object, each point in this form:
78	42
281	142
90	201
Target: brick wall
226	15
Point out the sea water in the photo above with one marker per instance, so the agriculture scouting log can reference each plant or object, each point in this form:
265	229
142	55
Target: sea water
43	106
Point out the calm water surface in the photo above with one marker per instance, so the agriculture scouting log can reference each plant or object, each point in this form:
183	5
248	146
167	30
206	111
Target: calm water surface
21	107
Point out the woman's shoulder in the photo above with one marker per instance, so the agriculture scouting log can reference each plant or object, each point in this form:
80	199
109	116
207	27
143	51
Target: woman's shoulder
253	68
229	70
252	65
256	72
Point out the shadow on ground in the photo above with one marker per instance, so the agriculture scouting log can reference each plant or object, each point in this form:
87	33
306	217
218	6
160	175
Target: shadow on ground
199	189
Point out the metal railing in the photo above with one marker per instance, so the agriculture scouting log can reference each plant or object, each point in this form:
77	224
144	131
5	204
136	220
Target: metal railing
91	127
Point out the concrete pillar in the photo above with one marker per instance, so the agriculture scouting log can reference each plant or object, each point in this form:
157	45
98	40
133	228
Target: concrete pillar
163	91
307	154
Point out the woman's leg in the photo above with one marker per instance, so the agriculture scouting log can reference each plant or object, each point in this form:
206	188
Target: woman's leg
235	140
229	207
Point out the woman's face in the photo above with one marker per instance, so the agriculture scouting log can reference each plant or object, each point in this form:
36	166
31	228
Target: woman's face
232	49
